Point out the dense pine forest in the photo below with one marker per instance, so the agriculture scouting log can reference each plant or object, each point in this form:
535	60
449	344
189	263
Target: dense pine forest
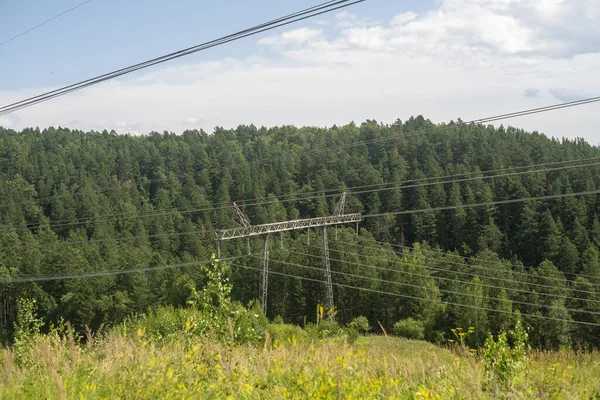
75	202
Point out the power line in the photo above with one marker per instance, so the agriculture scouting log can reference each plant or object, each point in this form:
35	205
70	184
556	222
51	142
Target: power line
455	280
363	216
445	255
43	23
473	178
397	136
540	109
434	288
162	267
406	181
418	298
278	200
510	281
45	278
93	241
484	204
314	11
62	223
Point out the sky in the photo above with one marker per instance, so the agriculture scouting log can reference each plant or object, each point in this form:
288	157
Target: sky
380	59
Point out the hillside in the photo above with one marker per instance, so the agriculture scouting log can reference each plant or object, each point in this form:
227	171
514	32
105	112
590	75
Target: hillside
78	202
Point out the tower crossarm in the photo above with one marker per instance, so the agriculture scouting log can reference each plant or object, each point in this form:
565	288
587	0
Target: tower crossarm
257	230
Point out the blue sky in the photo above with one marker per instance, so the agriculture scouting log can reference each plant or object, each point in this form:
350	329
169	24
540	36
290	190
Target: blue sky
380	59
104	35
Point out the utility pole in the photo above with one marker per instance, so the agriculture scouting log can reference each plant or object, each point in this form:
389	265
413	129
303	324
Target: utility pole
247	230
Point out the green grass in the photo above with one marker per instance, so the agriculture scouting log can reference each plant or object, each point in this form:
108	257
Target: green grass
134	367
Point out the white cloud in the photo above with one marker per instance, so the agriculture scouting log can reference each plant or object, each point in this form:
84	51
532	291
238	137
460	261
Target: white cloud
9	121
510	27
5	122
403	18
294	37
467	59
348	20
567	95
532	92
375	38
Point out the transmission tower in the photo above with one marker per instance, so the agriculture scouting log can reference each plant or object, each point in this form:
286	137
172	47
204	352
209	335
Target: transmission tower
246	230
264	275
328	282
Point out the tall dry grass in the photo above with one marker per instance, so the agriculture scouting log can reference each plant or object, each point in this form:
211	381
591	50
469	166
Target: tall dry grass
135	367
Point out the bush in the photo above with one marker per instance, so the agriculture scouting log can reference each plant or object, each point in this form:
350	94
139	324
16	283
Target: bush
410	329
286	333
352	335
502	363
27	328
361	324
211	312
323	329
249	324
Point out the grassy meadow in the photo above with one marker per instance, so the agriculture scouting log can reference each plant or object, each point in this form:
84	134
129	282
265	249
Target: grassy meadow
121	365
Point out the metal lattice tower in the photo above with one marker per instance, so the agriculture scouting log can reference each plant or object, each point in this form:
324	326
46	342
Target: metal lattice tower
264	275
339	210
328	281
243	221
246	230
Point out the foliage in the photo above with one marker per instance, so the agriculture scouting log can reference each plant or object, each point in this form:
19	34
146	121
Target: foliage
210	312
96	201
27	329
461	336
118	366
502	361
409	328
283	334
361	324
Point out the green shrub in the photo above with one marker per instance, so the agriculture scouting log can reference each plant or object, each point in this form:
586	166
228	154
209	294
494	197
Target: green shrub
352	334
211	312
361	324
327	328
409	328
249	324
286	333
502	363
27	328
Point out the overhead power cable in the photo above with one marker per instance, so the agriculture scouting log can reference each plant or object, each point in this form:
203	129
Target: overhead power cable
339	190
418	298
431	288
78	275
484	204
364	216
43	23
358	143
314	11
509	281
350	190
320	194
443	259
421	275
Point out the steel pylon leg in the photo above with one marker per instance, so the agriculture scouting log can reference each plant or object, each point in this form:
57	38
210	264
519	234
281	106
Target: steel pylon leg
328	281
264	275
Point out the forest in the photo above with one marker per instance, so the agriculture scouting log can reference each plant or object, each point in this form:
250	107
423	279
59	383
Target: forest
457	231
